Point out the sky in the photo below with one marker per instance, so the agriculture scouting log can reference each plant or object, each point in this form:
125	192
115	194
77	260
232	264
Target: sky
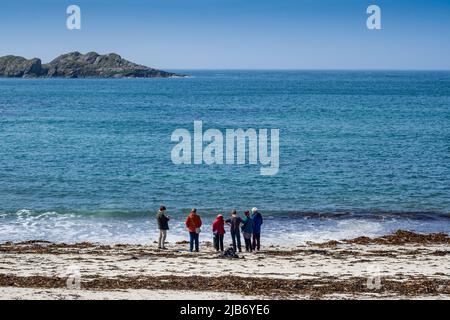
235	34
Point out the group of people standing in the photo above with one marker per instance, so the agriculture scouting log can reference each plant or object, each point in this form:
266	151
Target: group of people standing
249	225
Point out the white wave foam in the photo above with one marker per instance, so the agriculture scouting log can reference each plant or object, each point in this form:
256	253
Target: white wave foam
70	228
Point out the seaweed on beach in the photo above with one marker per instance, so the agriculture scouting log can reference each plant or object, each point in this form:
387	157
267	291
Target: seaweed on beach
403	237
400	237
269	287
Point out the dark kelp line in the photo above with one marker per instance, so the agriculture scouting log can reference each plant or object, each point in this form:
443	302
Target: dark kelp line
397	238
266	287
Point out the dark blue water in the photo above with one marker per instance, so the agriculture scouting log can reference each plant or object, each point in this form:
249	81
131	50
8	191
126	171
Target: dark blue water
83	159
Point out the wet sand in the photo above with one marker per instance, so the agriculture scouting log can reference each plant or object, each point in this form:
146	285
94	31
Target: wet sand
404	265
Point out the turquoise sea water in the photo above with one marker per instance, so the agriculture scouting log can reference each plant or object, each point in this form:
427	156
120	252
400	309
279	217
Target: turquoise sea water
360	153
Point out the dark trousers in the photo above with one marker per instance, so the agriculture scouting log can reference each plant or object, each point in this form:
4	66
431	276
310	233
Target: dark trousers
193	241
218	242
236	238
248	244
256	241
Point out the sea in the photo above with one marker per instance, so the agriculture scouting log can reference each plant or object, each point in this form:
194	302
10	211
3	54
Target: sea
361	153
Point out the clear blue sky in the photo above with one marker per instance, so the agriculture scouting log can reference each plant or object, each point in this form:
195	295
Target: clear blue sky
236	34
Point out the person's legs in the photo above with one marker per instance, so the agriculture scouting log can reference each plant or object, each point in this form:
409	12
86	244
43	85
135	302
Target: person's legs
160	239
216	242
248	242
163	238
256	241
221	242
238	240
233	238
196	241
191	241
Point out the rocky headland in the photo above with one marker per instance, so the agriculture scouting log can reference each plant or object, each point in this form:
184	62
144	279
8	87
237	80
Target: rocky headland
77	65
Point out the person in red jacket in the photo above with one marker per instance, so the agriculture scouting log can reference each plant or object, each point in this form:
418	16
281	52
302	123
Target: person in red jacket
193	224
218	228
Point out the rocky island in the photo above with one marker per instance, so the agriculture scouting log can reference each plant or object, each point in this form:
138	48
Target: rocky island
77	65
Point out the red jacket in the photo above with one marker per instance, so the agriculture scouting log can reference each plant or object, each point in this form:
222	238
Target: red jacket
219	226
193	222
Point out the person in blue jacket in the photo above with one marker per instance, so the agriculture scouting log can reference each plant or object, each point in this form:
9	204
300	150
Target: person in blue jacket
257	222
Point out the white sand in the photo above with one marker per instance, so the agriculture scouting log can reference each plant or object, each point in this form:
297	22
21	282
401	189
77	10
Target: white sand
305	262
9	293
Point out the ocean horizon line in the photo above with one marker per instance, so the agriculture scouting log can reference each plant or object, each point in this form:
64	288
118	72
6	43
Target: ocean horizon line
306	69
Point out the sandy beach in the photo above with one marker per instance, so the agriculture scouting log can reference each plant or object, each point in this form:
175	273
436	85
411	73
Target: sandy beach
398	266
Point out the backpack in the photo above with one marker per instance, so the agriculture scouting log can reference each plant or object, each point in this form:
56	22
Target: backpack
229	254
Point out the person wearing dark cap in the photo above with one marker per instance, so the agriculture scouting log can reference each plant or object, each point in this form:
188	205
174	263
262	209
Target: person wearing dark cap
163	225
235	223
247	230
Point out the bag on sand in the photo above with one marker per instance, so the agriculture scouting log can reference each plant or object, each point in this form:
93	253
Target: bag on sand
229	254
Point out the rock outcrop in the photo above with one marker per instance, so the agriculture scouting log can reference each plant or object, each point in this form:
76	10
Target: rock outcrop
12	66
77	65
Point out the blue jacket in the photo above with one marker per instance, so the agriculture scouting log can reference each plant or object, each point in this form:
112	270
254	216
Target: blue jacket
247	225
257	222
